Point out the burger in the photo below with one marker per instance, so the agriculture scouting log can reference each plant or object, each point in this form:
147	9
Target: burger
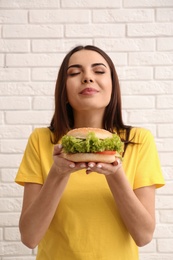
91	145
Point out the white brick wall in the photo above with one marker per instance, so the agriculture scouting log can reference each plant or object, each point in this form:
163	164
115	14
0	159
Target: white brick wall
34	37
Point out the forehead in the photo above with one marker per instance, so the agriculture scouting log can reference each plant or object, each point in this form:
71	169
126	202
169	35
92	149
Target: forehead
87	57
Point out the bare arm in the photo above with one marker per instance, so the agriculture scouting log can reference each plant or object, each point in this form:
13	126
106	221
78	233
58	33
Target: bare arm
137	208
40	201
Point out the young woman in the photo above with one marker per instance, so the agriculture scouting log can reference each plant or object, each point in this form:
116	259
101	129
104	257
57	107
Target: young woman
108	212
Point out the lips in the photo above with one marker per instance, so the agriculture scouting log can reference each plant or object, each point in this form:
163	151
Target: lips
88	91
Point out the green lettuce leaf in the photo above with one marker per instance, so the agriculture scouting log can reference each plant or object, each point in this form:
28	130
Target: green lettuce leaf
91	144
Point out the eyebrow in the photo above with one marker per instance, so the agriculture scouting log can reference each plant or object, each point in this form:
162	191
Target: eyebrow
80	66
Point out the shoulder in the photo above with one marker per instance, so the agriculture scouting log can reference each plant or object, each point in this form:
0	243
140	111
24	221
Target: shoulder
43	133
139	134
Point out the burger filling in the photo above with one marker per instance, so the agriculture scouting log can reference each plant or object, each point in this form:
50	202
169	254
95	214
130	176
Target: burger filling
92	144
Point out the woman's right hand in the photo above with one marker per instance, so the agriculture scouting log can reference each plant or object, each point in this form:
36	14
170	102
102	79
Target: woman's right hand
63	166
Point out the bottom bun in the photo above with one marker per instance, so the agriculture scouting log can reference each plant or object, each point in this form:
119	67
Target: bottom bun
89	157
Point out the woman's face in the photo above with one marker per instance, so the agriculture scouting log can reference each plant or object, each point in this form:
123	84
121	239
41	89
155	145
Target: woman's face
89	84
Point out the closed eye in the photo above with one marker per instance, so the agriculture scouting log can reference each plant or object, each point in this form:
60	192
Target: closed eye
73	74
99	72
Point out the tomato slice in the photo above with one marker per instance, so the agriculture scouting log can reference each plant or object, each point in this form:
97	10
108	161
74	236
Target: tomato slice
107	152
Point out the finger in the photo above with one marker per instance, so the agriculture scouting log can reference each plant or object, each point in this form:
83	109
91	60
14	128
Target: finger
57	149
107	169
117	162
71	165
88	170
91	164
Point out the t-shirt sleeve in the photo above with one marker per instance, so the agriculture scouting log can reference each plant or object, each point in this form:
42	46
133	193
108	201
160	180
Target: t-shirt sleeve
30	167
148	170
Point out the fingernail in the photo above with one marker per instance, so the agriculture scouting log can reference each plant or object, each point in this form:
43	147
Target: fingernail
59	146
82	165
72	165
91	165
118	161
99	166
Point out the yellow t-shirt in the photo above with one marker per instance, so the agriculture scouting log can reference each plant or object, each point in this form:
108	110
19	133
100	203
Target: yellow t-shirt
87	224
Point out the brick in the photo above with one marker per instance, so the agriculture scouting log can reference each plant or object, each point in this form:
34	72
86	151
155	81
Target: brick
13	146
12	160
27	88
24	257
165	44
14	248
10	204
28	117
166	159
95	30
168	173
165	101
13	16
119	58
12	234
156	256
8	175
59	16
29	4
164	72
135	73
166	216
164	202
144	3
9	103
1	60
150	29
167	189
165	245
14	132
165	144
147	87
11	190
43	103
151	58
44	74
91	3
151	247
32	31
7	46
57	45
9	219
34	60
123	15
165	130
164	15
1	117
1	234
153	116
131	102
125	44
15	74
157	217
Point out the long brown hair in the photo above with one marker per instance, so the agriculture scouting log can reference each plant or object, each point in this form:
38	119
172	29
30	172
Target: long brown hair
62	120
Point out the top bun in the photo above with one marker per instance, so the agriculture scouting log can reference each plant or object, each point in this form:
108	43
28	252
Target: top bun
84	131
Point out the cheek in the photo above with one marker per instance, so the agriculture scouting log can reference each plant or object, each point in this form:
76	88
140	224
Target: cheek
71	96
69	88
108	88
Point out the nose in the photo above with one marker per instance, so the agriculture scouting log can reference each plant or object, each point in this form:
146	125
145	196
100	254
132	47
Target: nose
87	77
86	80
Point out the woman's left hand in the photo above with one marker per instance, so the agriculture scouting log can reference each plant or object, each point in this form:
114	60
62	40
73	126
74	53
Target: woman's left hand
104	168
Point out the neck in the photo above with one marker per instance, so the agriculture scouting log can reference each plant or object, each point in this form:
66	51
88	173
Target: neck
88	119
